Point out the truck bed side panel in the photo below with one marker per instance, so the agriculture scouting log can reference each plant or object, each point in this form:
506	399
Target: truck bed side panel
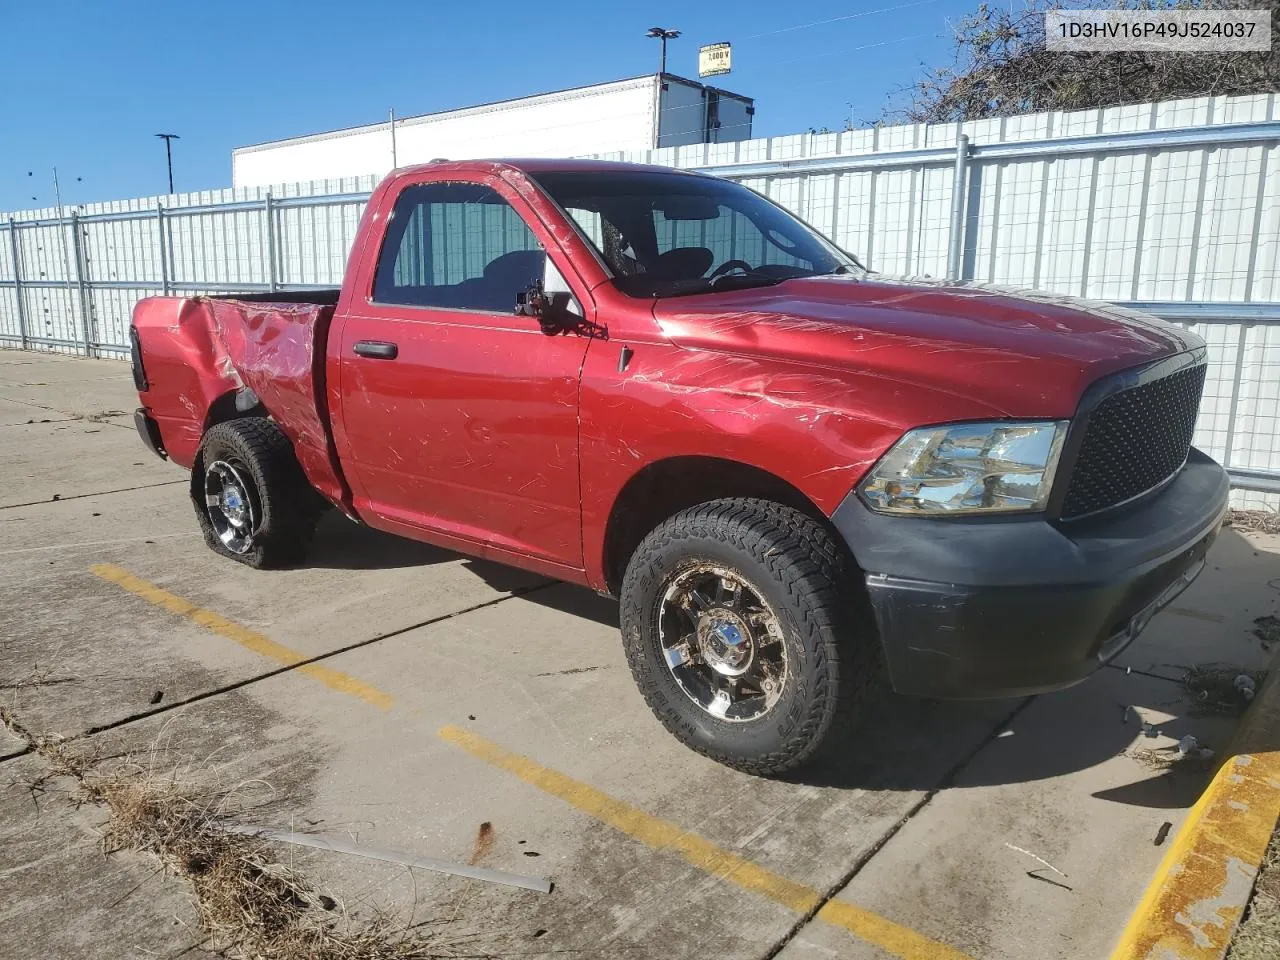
198	350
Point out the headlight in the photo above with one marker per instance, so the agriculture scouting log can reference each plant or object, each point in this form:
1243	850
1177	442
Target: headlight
967	468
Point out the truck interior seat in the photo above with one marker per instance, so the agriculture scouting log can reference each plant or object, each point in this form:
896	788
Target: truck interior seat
683	263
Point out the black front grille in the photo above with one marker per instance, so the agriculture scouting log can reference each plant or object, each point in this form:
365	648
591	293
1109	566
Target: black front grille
1134	440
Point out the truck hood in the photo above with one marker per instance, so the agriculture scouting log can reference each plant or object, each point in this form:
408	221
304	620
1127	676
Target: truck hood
1023	354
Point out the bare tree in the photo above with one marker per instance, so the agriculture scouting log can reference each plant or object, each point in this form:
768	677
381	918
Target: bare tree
1001	67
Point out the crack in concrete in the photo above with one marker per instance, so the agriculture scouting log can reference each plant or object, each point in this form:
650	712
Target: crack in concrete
38	406
948	779
1145	673
100	493
37	423
18	731
46	383
85	544
267	675
104	417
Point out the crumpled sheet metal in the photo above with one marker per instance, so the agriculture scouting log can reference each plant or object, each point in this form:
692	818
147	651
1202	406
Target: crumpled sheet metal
277	351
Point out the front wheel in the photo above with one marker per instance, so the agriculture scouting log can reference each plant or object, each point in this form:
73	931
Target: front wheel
746	633
252	499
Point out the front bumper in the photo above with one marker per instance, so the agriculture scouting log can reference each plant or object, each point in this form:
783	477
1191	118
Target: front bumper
972	608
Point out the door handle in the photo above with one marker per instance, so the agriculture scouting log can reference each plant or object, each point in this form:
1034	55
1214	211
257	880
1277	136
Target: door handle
377	349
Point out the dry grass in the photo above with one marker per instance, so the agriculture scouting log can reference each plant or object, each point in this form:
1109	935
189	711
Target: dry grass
1267	630
1165	759
1258	521
1168	758
250	904
1258	937
1213	690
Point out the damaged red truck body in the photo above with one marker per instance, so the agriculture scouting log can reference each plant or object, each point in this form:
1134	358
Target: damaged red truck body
798	477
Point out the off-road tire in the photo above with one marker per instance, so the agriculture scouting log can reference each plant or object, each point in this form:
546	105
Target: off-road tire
287	506
813	587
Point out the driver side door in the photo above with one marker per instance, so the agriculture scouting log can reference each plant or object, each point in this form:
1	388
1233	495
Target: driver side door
461	418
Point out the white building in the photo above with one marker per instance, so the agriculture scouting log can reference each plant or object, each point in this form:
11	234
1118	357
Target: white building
658	110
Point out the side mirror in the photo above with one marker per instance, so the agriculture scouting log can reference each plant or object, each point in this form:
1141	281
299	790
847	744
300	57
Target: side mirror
532	302
551	301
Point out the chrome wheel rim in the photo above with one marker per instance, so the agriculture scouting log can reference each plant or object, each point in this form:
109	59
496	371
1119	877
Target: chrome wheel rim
230	503
722	643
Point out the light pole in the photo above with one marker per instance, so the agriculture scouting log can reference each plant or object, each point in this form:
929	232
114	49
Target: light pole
168	139
663	34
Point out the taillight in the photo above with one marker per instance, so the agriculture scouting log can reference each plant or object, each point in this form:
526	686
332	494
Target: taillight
135	354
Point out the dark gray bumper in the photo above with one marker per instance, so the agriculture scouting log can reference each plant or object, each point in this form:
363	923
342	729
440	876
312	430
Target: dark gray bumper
149	431
992	607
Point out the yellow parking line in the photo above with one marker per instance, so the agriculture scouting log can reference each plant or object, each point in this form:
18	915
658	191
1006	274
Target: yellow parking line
249	639
663	835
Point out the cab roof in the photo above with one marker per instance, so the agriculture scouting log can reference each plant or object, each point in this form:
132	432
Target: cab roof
536	165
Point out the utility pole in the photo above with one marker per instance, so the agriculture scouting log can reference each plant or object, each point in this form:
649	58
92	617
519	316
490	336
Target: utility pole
663	34
62	236
66	257
168	139
393	138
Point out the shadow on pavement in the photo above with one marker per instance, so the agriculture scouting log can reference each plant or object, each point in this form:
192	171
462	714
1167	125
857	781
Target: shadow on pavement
1040	739
579	602
1174	789
341	544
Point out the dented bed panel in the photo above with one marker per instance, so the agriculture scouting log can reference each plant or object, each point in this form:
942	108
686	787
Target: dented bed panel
199	350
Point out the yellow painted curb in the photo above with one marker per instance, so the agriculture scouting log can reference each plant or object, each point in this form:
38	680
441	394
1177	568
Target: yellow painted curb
1194	903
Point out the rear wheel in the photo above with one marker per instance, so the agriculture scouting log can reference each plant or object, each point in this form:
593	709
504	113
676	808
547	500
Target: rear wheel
747	635
252	500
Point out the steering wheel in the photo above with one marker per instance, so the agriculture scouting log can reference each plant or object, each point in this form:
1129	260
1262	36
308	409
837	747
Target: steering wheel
730	265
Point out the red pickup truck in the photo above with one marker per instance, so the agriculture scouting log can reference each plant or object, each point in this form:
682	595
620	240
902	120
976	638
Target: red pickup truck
796	476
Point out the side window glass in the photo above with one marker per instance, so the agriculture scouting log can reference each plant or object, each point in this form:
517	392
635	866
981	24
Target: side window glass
457	246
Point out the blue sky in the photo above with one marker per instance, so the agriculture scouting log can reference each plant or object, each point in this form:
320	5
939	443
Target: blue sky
86	85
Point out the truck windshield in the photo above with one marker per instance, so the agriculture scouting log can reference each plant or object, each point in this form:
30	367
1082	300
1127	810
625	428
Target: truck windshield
674	234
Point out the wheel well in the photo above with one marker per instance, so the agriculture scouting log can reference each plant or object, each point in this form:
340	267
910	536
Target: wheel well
233	405
669	486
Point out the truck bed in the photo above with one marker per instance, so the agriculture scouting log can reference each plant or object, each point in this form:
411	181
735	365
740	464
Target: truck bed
200	353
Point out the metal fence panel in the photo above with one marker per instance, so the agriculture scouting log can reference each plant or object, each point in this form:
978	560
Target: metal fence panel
1258	413
314	241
